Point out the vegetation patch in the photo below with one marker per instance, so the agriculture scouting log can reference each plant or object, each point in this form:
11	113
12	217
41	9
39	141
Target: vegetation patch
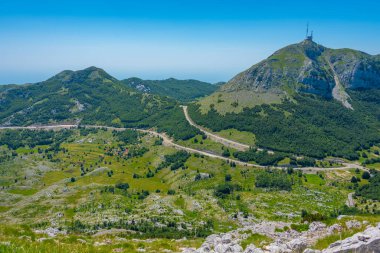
273	180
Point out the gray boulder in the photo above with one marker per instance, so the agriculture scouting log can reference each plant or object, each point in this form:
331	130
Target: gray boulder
311	251
363	242
297	245
252	249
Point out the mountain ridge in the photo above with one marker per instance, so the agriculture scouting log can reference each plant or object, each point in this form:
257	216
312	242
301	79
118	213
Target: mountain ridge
308	67
182	90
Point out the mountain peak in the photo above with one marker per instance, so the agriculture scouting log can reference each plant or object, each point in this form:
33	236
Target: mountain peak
90	74
308	67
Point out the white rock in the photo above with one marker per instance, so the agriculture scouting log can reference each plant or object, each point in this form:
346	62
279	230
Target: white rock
227	238
188	250
297	245
353	224
236	248
276	248
178	212
311	251
367	241
316	226
252	249
81	241
334	228
221	248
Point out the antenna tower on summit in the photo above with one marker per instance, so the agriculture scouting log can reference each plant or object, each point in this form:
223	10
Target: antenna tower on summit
309	37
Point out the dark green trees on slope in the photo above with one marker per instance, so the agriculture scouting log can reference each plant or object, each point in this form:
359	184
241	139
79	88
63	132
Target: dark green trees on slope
90	96
311	125
182	90
372	189
328	101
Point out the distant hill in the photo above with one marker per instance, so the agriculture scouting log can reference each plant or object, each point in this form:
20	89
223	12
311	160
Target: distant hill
89	96
305	99
182	90
303	68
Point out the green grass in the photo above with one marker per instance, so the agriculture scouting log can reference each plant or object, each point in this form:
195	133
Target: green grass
63	245
223	101
25	192
256	239
239	136
180	202
315	179
4	208
284	161
205	145
326	241
87	199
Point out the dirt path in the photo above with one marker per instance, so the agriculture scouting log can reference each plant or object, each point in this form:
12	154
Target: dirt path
170	143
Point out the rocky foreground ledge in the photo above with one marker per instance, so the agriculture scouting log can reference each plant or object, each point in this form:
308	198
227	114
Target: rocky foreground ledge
291	241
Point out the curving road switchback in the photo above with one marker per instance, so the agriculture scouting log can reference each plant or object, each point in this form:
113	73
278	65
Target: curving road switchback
167	141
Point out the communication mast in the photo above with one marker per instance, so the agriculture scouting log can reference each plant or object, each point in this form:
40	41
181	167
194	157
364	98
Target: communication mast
309	37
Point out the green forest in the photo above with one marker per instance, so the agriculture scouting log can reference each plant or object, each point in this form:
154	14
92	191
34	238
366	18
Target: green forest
310	125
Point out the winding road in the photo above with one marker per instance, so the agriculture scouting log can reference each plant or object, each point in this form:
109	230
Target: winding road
226	142
167	141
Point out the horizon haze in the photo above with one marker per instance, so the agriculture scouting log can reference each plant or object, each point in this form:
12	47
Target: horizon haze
209	41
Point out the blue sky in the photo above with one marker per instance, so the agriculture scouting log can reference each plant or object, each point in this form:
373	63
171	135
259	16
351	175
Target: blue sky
210	40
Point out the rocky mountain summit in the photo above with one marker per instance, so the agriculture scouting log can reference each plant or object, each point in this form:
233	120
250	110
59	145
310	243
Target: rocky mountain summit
308	67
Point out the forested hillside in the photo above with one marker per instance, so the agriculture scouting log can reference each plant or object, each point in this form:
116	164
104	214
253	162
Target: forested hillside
89	96
309	125
182	90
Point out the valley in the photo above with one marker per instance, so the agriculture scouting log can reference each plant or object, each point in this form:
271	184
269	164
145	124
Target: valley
282	158
95	195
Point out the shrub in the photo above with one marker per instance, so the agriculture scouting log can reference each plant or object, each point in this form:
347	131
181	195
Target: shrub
143	194
310	217
175	161
223	190
274	180
122	186
366	175
261	157
372	189
226	153
299	227
171	192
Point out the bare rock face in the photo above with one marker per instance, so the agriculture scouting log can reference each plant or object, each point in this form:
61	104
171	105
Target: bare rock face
363	242
356	69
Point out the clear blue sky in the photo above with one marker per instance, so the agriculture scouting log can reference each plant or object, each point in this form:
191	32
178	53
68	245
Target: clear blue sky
209	40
